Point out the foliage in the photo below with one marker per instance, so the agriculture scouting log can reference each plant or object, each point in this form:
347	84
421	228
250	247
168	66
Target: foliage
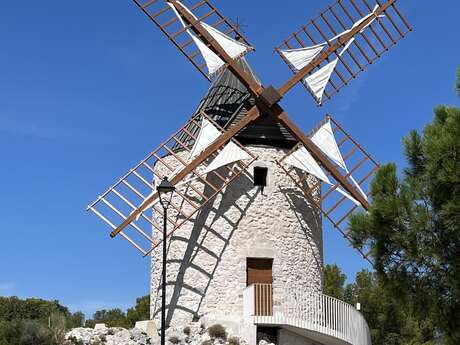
390	322
112	318
174	340
140	312
234	341
118	318
35	321
187	331
334	282
13	308
217	332
75	341
413	224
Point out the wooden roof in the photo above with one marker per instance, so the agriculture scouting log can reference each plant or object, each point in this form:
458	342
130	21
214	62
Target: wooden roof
228	100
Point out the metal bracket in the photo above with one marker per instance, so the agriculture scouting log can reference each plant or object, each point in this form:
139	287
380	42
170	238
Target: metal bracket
270	96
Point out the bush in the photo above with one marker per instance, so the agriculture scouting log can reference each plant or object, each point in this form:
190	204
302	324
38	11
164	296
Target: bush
207	342
234	341
174	340
36	334
217	332
186	331
75	341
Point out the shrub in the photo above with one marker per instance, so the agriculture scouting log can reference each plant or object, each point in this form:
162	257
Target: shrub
174	340
75	341
207	342
217	332
36	334
234	341
187	331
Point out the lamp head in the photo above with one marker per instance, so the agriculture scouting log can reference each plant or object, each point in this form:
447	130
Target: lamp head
165	190
165	187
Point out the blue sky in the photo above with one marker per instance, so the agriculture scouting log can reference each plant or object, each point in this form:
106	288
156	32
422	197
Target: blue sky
89	87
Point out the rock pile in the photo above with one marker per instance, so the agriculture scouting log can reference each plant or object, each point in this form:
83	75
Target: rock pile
193	334
107	336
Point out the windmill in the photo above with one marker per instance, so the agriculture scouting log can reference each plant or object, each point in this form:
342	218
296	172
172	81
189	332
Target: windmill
220	145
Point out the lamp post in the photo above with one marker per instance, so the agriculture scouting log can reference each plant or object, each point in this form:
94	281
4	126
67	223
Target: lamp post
165	192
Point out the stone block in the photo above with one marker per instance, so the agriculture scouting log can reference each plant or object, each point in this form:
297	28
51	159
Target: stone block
150	328
100	326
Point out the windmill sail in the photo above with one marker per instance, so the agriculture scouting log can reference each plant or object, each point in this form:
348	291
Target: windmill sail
301	57
231	153
303	160
324	138
213	62
208	133
309	50
233	48
318	81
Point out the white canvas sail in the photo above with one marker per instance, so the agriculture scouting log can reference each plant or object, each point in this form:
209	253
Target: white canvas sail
324	138
299	58
303	160
208	133
213	62
233	48
229	154
318	81
372	14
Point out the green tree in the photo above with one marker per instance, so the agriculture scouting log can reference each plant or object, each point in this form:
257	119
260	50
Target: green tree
117	318
112	318
334	281
390	321
140	312
24	322
413	224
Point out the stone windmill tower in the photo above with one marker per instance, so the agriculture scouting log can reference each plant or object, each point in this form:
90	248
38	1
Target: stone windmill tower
251	189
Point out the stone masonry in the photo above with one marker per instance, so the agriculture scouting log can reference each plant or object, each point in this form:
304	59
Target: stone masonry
206	262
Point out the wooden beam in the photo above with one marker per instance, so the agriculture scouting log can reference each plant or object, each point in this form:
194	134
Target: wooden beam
254	113
318	155
332	49
223	139
253	87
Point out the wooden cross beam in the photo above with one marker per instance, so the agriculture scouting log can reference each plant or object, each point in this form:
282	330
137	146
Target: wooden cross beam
263	105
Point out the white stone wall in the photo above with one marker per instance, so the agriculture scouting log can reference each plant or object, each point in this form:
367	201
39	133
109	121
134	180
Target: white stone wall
206	262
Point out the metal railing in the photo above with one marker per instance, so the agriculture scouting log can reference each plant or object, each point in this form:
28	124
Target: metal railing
307	310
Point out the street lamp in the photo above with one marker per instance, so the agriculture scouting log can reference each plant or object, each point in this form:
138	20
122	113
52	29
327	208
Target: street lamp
165	191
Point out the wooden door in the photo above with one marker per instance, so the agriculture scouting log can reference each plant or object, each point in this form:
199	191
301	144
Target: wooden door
259	272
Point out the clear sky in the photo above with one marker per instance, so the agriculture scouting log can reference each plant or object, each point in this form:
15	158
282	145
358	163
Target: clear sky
87	88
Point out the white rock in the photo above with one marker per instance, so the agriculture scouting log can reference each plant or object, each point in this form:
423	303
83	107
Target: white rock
99	326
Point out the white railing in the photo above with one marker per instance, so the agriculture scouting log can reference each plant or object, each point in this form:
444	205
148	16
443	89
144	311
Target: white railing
311	311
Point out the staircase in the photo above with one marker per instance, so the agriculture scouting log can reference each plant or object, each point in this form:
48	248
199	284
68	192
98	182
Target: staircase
316	316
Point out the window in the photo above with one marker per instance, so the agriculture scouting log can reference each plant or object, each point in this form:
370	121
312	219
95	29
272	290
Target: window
260	177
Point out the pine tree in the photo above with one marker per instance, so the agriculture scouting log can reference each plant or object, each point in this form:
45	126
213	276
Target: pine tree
413	223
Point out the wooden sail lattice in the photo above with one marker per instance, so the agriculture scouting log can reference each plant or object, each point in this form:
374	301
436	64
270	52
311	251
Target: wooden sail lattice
334	206
192	194
367	47
166	20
